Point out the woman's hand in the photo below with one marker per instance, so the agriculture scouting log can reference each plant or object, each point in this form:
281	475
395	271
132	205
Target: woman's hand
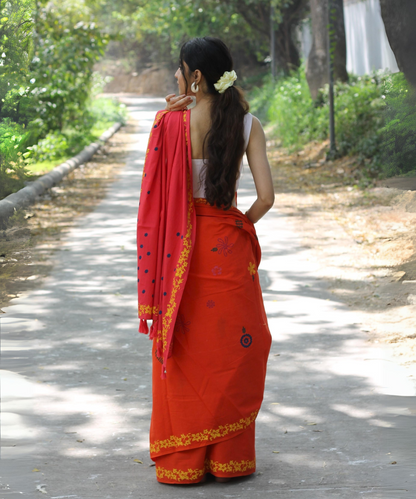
177	103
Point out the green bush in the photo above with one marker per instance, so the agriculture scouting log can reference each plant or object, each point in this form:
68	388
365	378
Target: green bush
399	133
100	114
12	167
375	118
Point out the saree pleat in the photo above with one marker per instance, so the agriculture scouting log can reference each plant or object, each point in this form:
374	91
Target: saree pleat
204	412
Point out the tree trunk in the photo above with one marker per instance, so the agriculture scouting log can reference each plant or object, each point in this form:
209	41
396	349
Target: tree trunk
287	53
317	64
257	15
399	18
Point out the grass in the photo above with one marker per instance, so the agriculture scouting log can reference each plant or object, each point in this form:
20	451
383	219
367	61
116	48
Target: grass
45	166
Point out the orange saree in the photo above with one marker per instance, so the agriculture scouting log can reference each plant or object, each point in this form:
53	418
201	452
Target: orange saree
204	411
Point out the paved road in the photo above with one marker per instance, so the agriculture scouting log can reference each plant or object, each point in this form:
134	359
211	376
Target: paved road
76	383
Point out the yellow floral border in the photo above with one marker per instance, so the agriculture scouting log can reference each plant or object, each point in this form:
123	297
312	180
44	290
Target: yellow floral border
183	258
148	309
210	466
203	436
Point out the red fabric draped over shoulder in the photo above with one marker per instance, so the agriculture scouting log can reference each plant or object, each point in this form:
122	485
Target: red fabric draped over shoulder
165	228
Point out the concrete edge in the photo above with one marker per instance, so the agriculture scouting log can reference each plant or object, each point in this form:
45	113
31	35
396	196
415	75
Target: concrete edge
27	195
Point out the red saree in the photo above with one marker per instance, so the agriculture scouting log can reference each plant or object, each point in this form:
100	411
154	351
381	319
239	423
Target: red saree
204	412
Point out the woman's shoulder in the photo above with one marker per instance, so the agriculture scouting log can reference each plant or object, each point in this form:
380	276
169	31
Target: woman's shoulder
252	126
256	125
252	121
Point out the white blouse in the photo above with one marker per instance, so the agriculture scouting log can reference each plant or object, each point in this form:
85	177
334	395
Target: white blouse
197	164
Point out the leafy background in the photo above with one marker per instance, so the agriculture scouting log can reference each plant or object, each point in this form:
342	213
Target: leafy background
49	108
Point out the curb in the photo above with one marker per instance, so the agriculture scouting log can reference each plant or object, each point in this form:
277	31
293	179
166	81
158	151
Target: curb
27	195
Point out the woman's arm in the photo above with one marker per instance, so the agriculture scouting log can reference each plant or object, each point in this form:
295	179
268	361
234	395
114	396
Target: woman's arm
260	168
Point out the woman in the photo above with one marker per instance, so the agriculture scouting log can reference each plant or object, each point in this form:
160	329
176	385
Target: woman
197	273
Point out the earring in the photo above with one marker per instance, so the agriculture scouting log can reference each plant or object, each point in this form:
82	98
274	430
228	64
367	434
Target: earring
194	87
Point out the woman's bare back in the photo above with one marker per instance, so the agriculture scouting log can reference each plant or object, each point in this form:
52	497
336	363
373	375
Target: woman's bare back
200	126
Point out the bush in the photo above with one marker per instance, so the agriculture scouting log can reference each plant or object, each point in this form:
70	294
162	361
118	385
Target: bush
375	117
100	114
399	133
12	167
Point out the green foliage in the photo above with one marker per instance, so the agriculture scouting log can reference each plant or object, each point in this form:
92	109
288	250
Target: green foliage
154	31
399	133
100	114
16	44
375	118
47	53
12	167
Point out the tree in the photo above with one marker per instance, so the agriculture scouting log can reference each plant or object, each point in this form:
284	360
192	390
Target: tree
399	18
156	29
287	17
317	64
16	46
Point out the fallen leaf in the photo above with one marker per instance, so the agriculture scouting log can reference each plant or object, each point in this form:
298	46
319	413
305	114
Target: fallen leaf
275	403
151	465
81	440
311	424
276	452
138	461
35	469
393	462
124	379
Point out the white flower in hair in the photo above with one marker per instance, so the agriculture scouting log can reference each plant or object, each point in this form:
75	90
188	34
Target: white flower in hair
226	80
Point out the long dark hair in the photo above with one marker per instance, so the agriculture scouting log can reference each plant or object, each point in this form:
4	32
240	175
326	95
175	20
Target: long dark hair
223	145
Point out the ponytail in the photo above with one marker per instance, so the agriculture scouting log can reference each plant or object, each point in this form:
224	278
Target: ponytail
223	146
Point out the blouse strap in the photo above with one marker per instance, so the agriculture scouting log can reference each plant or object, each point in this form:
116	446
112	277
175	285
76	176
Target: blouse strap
248	121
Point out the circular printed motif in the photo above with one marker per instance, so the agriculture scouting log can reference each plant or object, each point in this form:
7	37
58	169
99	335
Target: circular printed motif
246	340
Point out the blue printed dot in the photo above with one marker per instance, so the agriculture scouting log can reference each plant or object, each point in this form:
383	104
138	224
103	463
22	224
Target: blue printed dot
160	312
178	234
155	126
153	281
146	234
168	255
143	291
141	246
138	268
148	253
164	294
138	280
145	174
156	148
161	278
146	271
181	237
148	192
140	257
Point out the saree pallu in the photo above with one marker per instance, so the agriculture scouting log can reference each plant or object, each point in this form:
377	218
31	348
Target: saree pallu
204	412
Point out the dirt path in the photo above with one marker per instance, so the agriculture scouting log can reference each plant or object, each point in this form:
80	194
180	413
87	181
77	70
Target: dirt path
337	417
27	247
364	241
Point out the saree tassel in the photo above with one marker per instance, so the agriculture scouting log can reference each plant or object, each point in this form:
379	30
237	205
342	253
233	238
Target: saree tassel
153	329
143	328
